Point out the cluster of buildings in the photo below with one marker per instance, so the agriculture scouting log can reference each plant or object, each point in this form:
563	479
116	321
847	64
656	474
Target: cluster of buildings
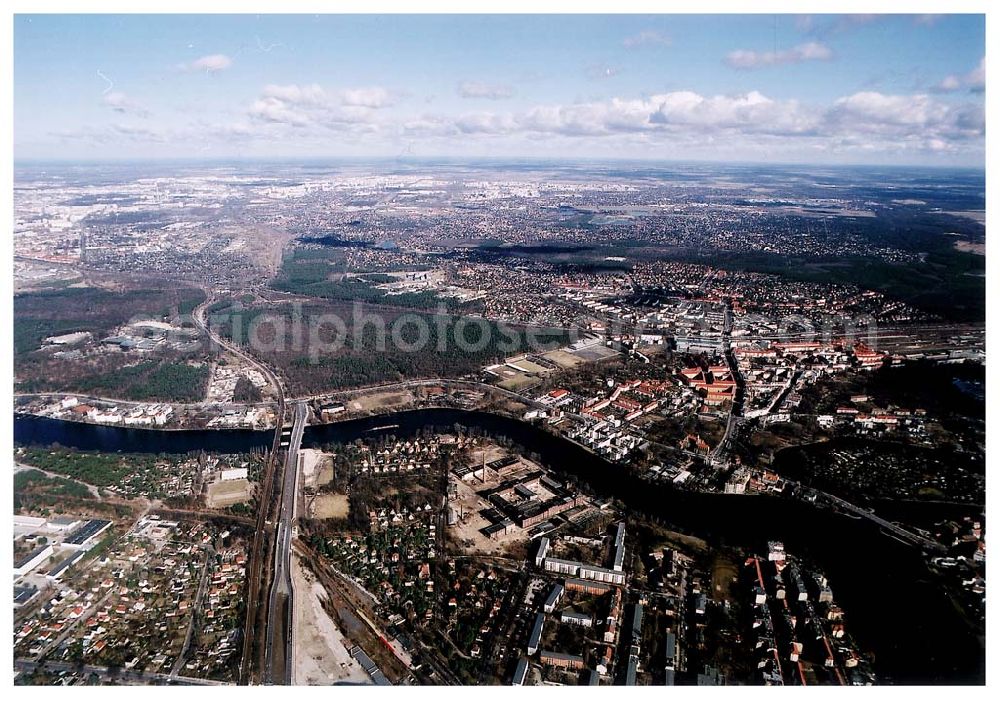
594	625
576	601
526	501
242	417
399	456
715	383
145	336
615	574
473	603
224	379
132	606
393	559
775	372
150	415
799	637
965	562
613	417
863	418
46	548
139	414
898	471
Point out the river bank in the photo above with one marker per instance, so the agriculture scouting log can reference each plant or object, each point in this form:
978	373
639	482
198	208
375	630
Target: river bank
897	608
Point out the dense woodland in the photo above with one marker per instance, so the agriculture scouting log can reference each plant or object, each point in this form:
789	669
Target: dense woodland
163	378
38	315
366	355
312	273
245	391
159	376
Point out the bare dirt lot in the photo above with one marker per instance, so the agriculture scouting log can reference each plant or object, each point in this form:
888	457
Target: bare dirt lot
518	381
381	400
329	507
320	655
228	492
316	470
529	367
563	358
724	574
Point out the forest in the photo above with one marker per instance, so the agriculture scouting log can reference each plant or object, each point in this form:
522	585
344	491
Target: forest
310	273
39	315
453	347
162	376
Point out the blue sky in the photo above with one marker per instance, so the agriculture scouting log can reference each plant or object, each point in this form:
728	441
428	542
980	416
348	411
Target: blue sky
784	88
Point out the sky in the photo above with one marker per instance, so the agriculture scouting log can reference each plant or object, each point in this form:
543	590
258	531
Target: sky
829	89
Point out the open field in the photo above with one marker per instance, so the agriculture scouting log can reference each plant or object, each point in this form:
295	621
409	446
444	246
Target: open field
329	507
228	492
517	381
970	247
527	366
563	358
595	353
381	400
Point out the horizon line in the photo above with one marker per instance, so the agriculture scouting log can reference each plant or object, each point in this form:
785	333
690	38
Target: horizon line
360	160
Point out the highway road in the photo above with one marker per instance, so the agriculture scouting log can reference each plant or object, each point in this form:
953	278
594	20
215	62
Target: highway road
278	654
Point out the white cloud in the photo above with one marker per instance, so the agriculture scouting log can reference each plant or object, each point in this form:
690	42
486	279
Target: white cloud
675	124
974	80
272	109
675	112
313	106
487	91
905	117
948	84
210	64
751	112
373	97
116	101
300	94
140	133
485	123
748	59
869	107
864	120
646	38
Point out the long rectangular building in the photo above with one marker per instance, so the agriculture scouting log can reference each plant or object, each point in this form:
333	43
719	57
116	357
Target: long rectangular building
535	640
92	529
553	598
619	563
561	660
520	672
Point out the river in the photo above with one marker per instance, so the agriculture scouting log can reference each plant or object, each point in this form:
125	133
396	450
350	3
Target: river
895	608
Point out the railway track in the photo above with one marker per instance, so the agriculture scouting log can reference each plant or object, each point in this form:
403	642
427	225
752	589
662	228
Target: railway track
257	557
